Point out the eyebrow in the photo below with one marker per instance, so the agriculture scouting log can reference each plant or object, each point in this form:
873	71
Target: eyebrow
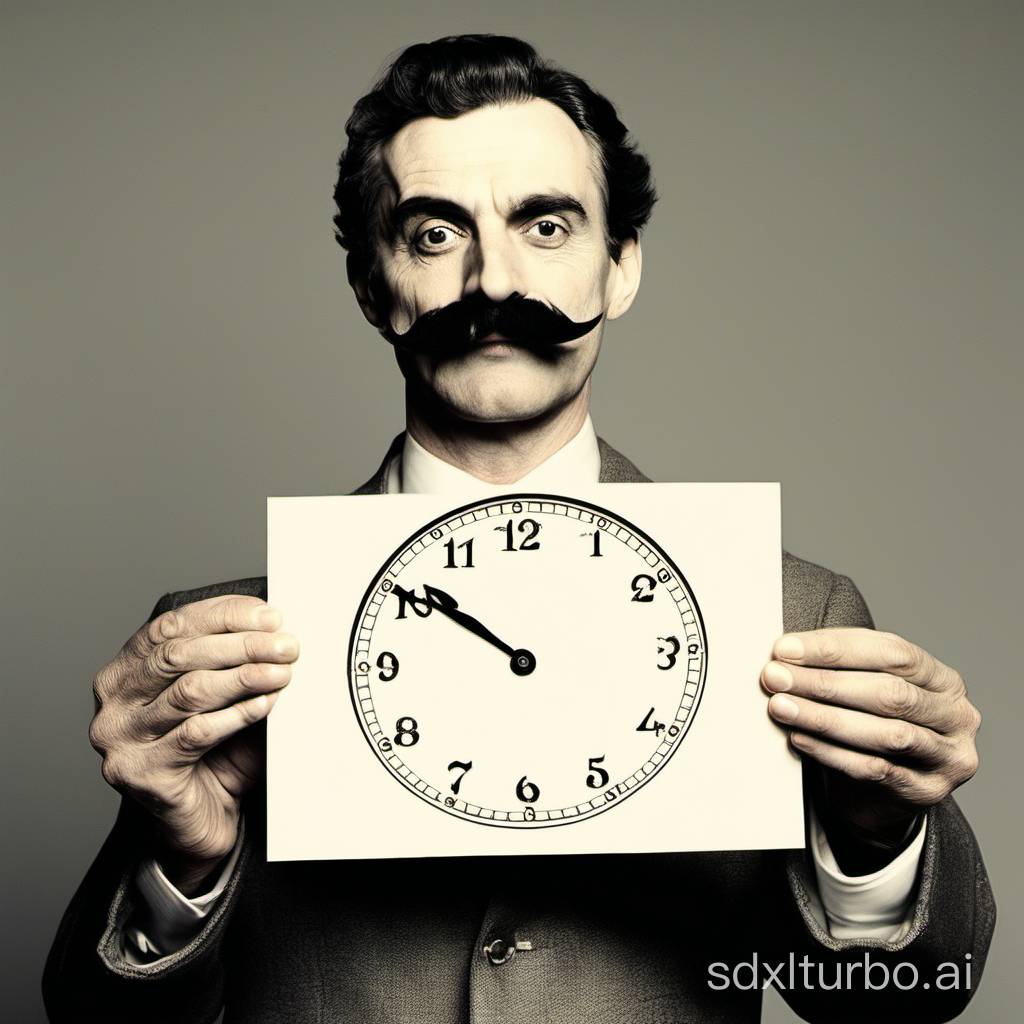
539	203
417	206
535	205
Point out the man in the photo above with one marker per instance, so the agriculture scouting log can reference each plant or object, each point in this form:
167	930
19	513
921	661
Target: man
491	206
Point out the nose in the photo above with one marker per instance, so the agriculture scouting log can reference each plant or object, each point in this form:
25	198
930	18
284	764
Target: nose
495	267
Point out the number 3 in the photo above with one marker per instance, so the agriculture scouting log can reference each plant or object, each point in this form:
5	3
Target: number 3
671	655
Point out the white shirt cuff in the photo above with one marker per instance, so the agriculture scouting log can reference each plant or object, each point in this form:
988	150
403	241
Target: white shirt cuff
164	921
875	906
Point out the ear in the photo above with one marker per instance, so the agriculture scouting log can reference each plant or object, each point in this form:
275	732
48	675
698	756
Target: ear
366	293
625	279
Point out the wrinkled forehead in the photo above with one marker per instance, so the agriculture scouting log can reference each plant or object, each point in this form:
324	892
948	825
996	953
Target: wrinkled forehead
489	158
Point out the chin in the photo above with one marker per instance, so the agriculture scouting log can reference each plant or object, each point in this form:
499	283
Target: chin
500	383
500	405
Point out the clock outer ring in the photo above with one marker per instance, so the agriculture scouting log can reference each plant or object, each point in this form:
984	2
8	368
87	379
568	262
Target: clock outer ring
498	499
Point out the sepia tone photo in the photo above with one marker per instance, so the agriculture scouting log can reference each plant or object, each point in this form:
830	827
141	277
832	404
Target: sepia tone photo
267	249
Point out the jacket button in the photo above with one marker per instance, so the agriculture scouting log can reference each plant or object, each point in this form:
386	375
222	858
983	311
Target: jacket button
499	951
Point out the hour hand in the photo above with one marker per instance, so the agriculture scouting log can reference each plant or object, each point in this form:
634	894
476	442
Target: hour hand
521	661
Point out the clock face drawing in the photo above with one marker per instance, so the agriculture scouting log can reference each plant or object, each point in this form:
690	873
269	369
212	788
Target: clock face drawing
527	661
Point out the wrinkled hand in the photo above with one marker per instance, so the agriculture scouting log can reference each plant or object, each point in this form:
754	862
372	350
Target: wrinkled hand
891	725
173	710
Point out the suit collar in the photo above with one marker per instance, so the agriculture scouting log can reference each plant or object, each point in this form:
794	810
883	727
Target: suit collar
615	468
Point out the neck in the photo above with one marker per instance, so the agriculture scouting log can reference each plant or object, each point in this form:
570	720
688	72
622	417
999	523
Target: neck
497	453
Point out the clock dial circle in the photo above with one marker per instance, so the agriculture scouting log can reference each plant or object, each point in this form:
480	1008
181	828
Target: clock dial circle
527	661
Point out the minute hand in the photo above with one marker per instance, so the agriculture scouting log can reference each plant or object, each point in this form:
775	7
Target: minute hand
521	661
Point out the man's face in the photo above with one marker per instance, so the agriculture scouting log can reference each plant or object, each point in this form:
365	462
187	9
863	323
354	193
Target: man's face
500	201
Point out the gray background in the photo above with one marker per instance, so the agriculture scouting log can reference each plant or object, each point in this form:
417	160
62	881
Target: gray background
831	298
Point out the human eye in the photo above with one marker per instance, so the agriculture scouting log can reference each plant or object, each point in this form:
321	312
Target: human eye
547	233
434	238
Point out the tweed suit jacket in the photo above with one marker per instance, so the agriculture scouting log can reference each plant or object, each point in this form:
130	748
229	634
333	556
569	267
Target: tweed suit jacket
616	939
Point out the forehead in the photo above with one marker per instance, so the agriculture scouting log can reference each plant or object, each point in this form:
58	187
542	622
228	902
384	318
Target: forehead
494	153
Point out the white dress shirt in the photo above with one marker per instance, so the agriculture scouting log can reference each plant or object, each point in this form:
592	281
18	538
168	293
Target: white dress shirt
872	906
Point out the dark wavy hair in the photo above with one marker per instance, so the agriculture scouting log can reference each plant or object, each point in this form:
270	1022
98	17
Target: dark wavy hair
457	74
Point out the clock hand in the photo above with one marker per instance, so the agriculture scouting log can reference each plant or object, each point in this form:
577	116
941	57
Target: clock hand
521	661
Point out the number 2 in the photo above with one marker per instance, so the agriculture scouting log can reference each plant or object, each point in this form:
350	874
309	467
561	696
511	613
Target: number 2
643	588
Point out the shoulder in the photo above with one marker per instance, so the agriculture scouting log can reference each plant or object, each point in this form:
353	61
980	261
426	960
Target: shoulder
616	468
378	483
256	586
813	597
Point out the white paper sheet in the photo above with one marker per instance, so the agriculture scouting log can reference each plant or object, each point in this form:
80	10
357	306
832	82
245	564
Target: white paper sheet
729	782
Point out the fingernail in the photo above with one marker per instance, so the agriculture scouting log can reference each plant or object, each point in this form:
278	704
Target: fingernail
784	708
278	674
269	619
284	644
790	647
777	676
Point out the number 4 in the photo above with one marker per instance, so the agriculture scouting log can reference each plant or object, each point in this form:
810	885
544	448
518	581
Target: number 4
646	726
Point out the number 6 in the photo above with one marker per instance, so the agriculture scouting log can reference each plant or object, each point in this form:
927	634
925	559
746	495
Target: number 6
527	791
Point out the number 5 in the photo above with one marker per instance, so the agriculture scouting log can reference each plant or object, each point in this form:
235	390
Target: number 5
600	779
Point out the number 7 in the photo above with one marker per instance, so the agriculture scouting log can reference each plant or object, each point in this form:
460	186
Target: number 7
465	766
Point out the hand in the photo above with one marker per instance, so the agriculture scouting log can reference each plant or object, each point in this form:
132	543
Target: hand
891	725
521	661
172	716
